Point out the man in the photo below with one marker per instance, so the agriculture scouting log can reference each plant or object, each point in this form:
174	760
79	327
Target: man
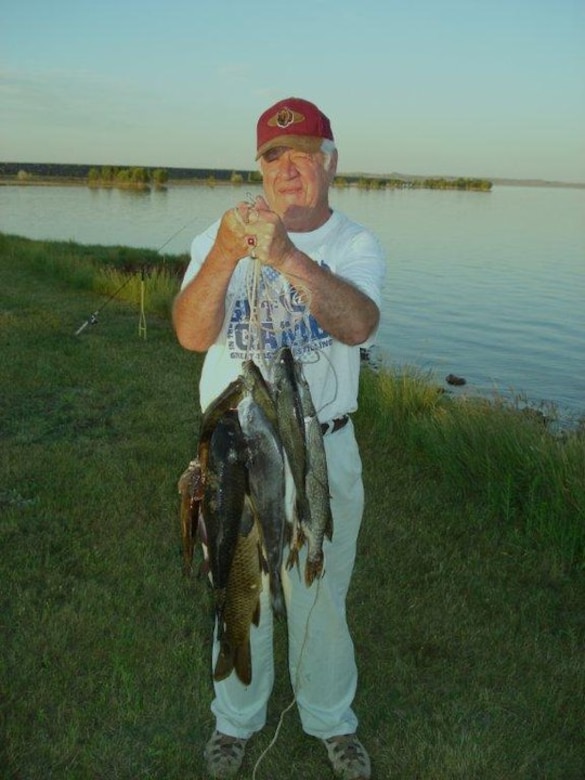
317	289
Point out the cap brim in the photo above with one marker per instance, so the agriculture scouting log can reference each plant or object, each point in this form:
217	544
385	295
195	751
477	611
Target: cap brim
302	143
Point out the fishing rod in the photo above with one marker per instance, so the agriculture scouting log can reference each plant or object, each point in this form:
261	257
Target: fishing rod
93	318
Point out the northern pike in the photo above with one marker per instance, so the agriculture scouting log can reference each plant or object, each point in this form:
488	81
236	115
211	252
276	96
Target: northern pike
320	523
242	602
223	501
266	476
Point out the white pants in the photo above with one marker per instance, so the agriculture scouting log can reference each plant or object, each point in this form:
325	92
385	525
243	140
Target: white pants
322	666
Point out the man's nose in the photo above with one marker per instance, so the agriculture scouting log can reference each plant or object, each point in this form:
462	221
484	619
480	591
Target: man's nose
287	164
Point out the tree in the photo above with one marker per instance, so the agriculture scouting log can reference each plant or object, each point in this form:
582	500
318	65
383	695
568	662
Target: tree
160	176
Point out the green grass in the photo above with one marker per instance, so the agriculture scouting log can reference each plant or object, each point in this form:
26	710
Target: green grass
467	600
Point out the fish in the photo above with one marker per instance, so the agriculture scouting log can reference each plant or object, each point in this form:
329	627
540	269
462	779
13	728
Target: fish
222	506
190	487
292	432
320	524
242	602
266	480
258	388
227	400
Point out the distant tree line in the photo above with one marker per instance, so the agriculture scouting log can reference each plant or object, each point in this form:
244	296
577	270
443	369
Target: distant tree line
443	183
74	172
136	178
143	178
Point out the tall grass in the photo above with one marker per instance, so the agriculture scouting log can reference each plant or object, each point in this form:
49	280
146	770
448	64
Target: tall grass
154	288
117	272
507	461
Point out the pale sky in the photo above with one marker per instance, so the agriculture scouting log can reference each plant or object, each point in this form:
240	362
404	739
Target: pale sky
492	88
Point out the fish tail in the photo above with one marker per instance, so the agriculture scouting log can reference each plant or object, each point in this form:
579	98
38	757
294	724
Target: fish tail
242	663
225	663
277	596
293	558
230	659
313	569
329	527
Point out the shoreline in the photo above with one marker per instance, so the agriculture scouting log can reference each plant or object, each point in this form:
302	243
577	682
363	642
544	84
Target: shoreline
68	181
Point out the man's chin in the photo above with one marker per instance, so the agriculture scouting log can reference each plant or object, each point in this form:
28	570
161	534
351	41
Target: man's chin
295	217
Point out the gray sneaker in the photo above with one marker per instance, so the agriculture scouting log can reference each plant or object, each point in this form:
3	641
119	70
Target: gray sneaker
348	757
224	755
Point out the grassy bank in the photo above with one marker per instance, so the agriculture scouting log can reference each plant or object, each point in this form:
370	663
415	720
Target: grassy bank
467	600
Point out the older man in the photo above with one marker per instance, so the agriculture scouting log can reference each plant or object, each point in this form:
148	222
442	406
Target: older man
317	289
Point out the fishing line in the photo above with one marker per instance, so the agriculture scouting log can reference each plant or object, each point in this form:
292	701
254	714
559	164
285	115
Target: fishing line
296	687
93	318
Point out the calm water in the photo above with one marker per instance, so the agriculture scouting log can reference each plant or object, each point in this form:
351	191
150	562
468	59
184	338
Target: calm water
490	287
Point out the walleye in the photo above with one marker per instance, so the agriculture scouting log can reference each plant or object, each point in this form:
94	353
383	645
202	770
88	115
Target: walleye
258	388
266	475
242	602
292	432
223	501
225	401
303	442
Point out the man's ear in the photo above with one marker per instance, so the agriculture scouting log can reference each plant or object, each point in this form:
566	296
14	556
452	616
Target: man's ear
332	167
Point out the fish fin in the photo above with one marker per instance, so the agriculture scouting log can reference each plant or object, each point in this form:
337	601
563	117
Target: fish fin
224	665
293	558
243	663
189	514
329	527
256	615
296	542
262	560
204	570
219	610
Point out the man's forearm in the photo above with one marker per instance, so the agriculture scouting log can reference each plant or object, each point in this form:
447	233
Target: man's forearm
339	306
199	309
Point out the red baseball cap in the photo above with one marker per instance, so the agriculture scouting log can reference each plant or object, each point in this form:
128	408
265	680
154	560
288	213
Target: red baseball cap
292	122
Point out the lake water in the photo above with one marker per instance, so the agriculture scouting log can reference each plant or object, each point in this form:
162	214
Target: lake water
487	286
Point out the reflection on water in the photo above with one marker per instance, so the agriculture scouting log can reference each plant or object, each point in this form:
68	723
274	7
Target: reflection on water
488	286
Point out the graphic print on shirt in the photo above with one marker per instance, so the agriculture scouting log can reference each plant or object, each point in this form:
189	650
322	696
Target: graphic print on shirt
280	319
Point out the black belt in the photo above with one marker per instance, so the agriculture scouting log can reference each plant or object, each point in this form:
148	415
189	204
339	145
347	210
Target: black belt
334	425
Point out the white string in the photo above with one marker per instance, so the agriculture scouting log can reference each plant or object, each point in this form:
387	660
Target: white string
296	686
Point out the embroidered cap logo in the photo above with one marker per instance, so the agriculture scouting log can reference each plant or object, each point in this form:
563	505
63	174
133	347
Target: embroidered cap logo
285	118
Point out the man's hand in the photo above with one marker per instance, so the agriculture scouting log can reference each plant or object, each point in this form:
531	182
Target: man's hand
269	240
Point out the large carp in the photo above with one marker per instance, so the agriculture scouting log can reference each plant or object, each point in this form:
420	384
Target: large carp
224	494
242	602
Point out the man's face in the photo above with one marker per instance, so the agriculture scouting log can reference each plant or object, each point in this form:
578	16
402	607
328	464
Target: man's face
296	185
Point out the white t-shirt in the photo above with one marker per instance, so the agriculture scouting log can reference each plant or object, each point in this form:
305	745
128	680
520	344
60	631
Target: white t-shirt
264	313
